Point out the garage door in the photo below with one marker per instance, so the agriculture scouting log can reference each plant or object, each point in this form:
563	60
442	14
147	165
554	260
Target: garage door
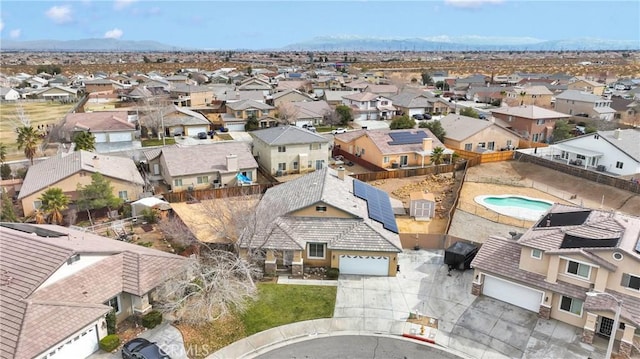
364	265
193	131
512	293
100	137
120	137
235	127
80	345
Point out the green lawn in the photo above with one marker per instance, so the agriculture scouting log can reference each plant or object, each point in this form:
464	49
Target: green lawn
156	142
280	304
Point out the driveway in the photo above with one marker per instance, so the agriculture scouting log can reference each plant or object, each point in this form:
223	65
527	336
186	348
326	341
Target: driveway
165	335
479	327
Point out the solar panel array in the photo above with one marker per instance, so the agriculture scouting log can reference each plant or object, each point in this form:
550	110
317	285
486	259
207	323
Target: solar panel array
378	204
407	138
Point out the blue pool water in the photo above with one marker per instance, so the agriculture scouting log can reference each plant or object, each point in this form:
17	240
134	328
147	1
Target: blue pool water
518	202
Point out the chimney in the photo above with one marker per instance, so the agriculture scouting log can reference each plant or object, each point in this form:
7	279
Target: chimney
341	173
232	163
616	133
427	144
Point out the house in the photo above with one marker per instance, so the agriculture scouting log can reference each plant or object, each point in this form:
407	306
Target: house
180	121
206	166
412	103
422	205
9	94
289	149
59	283
300	85
487	94
37	82
585	104
334	97
325	219
382	89
99	85
238	112
369	106
111	129
185	95
254	84
69	170
310	112
570	251
627	111
538	95
531	122
290	95
390	148
616	152
589	86
472	134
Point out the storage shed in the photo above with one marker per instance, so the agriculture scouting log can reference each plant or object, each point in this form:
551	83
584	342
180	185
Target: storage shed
459	255
149	203
422	205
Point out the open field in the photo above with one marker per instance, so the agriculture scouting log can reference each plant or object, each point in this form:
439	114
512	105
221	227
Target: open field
39	113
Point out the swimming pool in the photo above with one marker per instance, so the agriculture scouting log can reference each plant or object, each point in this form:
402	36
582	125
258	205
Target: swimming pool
521	207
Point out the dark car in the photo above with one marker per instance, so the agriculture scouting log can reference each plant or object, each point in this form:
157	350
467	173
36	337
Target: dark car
418	116
427	116
223	129
140	348
202	135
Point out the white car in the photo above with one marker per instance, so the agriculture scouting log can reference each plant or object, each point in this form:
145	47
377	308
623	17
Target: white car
339	130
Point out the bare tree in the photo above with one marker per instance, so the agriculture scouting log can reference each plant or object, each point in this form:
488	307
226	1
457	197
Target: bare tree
288	113
331	118
154	109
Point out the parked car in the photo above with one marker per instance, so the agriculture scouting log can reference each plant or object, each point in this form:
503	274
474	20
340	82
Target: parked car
311	128
418	116
141	348
202	135
223	129
426	116
339	130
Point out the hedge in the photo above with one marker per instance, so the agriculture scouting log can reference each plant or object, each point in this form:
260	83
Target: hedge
109	343
151	319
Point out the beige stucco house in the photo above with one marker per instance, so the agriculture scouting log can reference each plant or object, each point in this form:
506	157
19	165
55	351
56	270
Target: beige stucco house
593	87
185	95
570	251
579	103
536	95
67	171
323	219
290	149
476	135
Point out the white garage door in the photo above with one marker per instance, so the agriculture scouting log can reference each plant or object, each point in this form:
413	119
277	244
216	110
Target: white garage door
80	345
120	137
193	131
364	265
512	293
100	137
236	127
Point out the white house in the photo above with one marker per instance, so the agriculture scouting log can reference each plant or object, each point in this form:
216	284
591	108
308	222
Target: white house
9	94
369	106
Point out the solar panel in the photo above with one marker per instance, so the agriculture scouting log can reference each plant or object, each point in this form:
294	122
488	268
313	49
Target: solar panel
378	204
406	138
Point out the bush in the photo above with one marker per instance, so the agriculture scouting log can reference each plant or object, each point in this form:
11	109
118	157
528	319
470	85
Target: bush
333	273
151	319
109	343
149	215
110	318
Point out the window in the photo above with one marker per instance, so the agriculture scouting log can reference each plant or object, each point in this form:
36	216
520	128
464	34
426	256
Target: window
481	144
37	204
114	303
579	269
508	143
316	250
295	165
580	157
619	164
321	208
491	145
282	166
177	183
384	103
309	164
203	179
540	122
282	148
468	146
510	118
571	305
630	281
385	159
536	253
314	146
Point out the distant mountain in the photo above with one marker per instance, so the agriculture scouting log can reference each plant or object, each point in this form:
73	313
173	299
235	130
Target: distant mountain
86	45
467	43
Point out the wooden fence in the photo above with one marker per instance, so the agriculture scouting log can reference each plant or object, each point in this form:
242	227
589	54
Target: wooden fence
590	175
530	144
211	193
355	159
428	240
403	172
486	157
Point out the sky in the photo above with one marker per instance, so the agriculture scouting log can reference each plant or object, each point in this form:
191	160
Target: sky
263	24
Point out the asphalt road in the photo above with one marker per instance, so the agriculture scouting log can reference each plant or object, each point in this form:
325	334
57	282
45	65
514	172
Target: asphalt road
356	347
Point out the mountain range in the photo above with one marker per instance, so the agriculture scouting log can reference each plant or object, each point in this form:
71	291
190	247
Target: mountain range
346	43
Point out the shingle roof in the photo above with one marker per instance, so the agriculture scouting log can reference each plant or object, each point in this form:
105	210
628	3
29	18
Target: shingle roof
576	95
530	112
35	314
411	100
382	140
248	104
459	127
55	169
287	135
628	141
209	158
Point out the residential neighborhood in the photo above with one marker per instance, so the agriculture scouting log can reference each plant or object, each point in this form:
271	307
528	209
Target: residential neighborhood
316	198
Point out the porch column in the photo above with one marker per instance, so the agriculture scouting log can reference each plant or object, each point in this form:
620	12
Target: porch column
626	343
552	271
476	286
270	263
141	304
601	280
589	328
297	268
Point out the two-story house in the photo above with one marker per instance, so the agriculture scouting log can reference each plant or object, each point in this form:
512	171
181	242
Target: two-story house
369	106
537	95
583	85
290	149
569	252
238	112
185	95
578	103
532	122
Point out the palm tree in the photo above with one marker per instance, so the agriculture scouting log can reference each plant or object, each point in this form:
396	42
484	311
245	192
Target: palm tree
54	201
437	155
522	96
85	141
28	138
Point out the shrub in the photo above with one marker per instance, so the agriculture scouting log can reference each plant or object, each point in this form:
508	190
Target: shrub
151	319
149	215
109	343
333	273
111	322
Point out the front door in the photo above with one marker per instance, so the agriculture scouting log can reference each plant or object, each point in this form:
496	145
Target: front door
606	324
404	160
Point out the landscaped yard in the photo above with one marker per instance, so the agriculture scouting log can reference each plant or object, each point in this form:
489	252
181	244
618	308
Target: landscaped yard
277	304
156	142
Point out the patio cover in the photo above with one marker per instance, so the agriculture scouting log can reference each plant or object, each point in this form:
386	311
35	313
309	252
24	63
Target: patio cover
578	150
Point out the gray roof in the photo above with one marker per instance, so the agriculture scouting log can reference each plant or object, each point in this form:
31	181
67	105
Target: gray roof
176	115
576	95
459	127
409	99
248	104
530	112
287	135
179	87
627	142
280	229
311	109
208	158
54	169
36	314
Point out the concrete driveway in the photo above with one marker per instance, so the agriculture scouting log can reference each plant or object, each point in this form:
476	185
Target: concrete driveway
165	335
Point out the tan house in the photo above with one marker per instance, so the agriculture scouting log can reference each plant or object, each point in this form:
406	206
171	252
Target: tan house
531	122
100	85
390	148
111	129
287	96
538	95
569	252
593	87
67	171
239	111
59	283
472	134
323	220
584	104
185	95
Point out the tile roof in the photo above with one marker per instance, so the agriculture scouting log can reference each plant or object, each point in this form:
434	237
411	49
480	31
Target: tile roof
311	109
36	313
630	305
287	135
409	99
530	112
362	96
459	127
54	169
248	104
382	140
627	141
102	121
207	158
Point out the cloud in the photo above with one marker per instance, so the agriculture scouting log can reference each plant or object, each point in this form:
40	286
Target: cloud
60	14
15	33
1	25
471	4
113	34
121	4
